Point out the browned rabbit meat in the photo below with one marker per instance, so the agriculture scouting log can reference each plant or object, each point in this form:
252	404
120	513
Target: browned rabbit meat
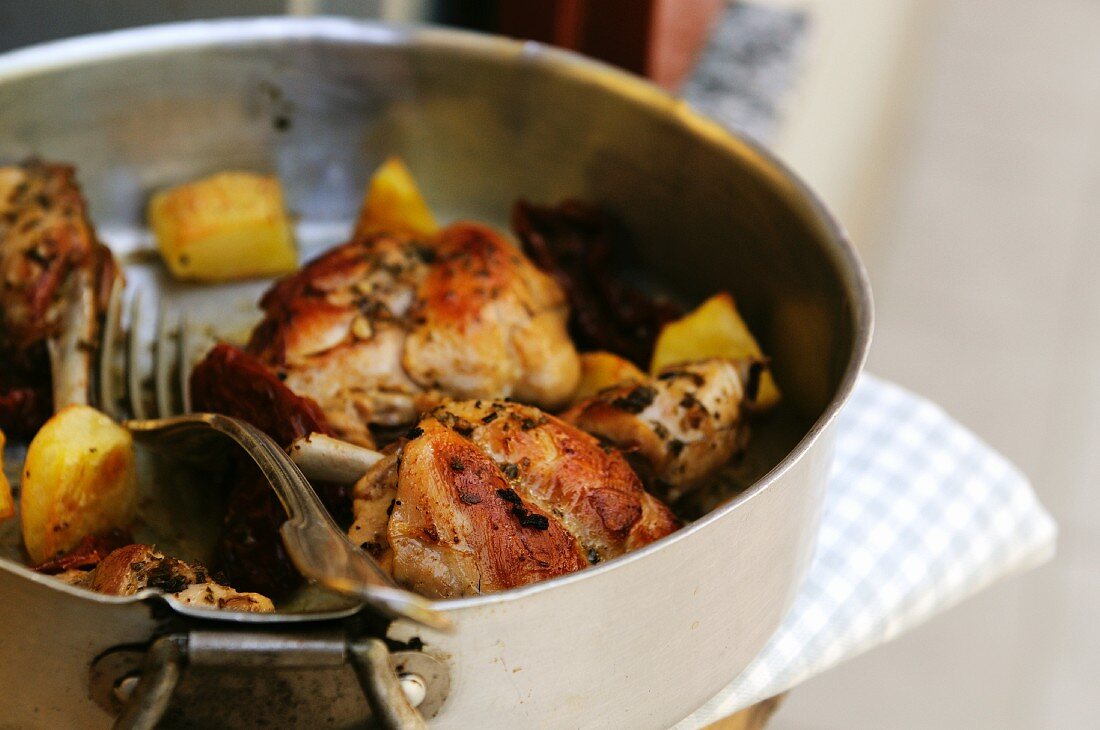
681	427
379	329
487	495
53	274
136	567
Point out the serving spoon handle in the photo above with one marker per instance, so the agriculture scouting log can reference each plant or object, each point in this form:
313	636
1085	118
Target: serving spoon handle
315	544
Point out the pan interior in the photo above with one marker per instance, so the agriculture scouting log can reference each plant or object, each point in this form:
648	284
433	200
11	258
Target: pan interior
480	123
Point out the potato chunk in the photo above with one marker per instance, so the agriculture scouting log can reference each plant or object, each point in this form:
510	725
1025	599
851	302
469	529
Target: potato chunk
232	225
79	479
714	329
601	370
7	504
393	203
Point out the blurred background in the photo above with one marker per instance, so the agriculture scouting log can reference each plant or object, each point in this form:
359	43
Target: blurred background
957	140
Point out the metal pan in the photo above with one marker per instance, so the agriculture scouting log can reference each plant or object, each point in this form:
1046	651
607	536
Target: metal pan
637	642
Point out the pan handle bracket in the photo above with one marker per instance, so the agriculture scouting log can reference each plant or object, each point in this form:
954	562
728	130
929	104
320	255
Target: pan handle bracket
137	683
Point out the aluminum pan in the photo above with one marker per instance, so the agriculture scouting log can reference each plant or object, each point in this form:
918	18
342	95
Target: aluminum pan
639	641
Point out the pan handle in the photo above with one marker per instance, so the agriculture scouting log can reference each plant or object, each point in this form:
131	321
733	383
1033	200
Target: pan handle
159	677
167	655
387	700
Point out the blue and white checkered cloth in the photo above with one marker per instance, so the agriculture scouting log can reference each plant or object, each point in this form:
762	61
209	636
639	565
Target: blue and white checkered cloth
919	515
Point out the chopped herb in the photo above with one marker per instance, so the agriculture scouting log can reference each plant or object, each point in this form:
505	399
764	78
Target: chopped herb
510	470
636	401
527	519
676	446
509	495
424	253
490	417
752	384
457	464
165	576
38	257
414	433
593	556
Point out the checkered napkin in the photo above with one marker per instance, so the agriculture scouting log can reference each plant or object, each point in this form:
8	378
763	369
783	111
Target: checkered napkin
919	514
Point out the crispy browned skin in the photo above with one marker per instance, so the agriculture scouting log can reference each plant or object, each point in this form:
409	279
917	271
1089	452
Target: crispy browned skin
564	470
527	495
335	332
488	324
453	533
683	425
45	237
380	328
133	568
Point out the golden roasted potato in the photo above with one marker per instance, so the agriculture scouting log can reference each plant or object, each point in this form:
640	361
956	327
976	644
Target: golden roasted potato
601	370
79	479
393	203
232	225
714	329
7	504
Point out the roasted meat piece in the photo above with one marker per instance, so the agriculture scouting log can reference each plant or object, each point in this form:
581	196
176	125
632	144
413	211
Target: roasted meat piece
44	237
54	281
377	330
679	428
134	568
487	495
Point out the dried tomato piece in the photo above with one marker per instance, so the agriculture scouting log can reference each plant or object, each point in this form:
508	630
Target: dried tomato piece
250	550
587	253
88	552
26	401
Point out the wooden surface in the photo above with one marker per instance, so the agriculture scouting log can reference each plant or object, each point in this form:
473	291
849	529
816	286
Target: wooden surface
660	39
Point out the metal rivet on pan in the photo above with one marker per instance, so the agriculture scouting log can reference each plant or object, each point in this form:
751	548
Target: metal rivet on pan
125	687
415	688
425	680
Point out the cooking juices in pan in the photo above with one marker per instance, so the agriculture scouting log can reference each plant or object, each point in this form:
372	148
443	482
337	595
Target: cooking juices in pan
535	413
